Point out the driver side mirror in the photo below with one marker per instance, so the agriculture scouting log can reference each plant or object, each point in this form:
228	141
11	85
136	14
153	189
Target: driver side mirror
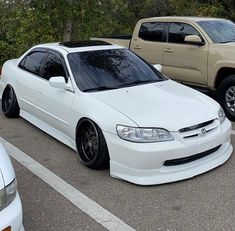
194	39
158	67
59	82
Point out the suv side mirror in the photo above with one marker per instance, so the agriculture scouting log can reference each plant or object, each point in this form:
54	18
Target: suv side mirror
158	67
58	82
194	39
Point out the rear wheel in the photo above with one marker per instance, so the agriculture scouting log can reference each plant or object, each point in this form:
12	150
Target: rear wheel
91	145
10	105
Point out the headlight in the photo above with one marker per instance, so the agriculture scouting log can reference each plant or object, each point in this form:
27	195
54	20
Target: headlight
8	194
221	115
143	135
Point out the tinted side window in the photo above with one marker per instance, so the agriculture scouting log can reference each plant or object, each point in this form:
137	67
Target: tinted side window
53	67
178	31
151	31
33	62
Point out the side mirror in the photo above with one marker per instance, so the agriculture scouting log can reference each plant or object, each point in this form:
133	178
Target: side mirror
194	39
158	67
58	82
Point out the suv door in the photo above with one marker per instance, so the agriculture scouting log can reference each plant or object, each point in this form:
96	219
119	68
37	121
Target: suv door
148	43
183	61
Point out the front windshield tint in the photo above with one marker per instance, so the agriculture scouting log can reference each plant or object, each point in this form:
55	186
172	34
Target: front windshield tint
110	69
220	31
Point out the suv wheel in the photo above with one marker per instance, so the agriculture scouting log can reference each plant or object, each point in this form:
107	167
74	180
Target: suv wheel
226	96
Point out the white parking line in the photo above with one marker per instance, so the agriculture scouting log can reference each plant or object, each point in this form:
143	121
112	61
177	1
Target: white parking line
233	132
90	207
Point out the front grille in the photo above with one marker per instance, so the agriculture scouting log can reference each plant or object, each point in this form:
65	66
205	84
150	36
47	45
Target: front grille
197	126
198	130
188	159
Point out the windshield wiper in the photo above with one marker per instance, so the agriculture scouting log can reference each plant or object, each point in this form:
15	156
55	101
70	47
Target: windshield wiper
138	82
100	88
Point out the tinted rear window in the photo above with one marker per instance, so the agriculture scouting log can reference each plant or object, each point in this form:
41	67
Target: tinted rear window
151	31
33	62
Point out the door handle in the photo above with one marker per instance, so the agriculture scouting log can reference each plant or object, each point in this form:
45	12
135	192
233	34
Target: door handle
39	92
137	47
168	50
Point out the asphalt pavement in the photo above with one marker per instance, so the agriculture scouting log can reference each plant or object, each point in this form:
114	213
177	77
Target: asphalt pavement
205	202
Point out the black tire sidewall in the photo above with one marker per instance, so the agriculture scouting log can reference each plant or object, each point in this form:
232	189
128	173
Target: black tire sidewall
14	110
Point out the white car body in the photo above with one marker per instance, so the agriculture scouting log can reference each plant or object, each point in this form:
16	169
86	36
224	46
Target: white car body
166	104
11	215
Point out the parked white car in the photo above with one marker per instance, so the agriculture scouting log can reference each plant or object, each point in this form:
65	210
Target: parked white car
10	204
114	108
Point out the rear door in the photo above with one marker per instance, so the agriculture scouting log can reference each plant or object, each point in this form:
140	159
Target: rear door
29	80
149	42
182	61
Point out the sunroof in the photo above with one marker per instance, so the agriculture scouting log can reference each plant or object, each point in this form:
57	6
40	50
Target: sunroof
88	43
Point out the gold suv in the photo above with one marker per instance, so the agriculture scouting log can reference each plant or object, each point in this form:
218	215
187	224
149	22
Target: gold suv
193	50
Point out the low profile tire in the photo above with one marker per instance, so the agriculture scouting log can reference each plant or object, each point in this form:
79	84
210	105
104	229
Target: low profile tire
226	96
91	145
10	105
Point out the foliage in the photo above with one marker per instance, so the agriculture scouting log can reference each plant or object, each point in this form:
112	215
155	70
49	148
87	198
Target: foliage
25	23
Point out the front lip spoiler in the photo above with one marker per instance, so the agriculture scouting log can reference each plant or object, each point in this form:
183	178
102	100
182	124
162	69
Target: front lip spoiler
163	175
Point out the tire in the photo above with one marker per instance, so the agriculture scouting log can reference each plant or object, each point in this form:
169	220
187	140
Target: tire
91	145
226	96
10	105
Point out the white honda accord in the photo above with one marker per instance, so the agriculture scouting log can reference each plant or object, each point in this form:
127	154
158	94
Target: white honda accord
10	205
114	108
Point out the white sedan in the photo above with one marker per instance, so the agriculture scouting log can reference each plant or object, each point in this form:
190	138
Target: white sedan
115	109
10	204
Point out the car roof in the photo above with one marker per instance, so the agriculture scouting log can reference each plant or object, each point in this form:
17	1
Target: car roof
79	46
187	18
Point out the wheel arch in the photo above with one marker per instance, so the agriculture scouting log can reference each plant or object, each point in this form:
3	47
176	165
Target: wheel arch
104	146
222	74
83	119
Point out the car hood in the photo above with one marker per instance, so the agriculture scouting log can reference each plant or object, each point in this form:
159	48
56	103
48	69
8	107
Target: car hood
7	173
165	104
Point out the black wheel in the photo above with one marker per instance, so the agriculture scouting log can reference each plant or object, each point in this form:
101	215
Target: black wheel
91	145
226	96
10	105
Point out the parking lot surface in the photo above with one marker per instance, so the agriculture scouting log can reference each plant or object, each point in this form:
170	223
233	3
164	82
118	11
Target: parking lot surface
205	202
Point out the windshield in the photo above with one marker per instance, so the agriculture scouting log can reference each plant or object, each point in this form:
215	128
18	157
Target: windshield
110	69
220	31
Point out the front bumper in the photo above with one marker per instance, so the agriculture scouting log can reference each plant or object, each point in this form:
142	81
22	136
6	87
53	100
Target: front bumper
12	216
143	164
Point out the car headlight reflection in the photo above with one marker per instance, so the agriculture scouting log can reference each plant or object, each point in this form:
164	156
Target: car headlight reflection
143	135
8	194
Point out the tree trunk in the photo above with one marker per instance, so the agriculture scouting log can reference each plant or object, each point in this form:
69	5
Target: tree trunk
68	31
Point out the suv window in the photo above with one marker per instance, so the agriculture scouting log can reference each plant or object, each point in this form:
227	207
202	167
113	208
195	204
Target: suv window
33	62
53	67
178	31
151	31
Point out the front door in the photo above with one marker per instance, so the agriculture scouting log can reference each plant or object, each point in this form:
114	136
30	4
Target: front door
55	104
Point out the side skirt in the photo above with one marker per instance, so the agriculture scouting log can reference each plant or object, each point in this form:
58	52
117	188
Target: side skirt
48	129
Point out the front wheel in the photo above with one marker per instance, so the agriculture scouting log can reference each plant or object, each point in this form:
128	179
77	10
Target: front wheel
226	96
10	105
91	145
